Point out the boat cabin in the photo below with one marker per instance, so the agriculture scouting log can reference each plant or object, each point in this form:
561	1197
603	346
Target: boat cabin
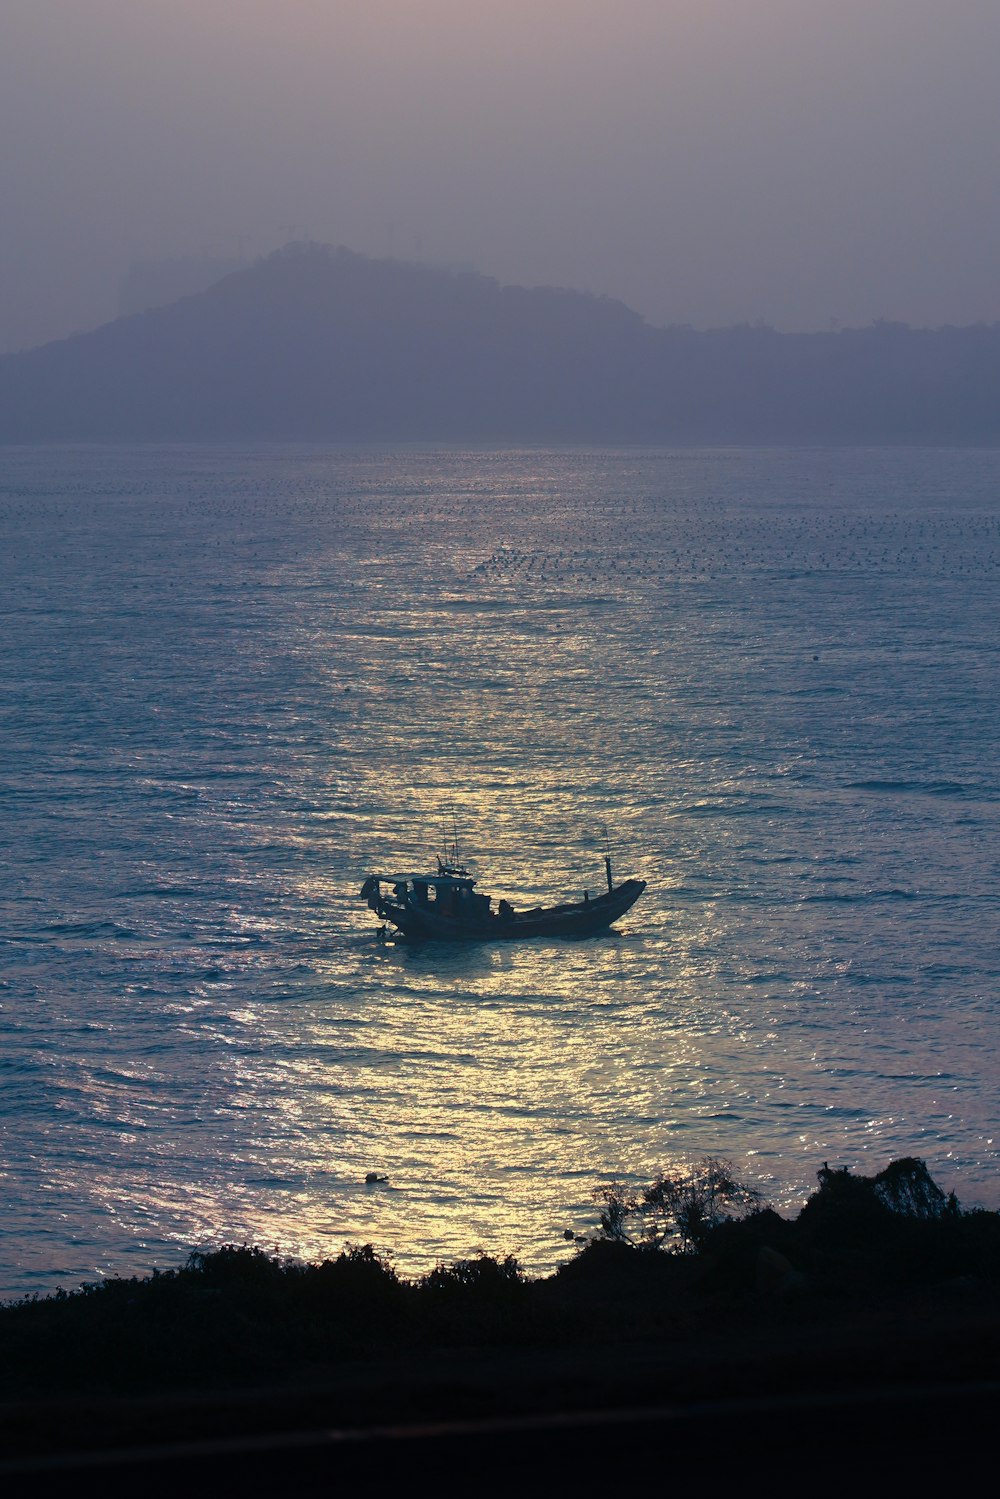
450	892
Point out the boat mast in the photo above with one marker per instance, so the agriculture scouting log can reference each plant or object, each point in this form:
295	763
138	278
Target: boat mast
451	863
607	858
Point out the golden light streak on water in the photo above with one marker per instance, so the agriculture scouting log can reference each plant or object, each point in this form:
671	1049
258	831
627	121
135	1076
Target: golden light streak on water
257	677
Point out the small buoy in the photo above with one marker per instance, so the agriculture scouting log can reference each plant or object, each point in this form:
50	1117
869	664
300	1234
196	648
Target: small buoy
569	1234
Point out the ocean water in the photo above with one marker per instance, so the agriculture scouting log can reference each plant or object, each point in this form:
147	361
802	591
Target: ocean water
234	681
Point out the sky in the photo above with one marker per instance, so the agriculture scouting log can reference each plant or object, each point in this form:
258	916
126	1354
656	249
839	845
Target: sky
803	163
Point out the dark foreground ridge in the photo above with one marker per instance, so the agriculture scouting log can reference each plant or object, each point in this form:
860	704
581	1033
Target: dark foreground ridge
696	1316
322	344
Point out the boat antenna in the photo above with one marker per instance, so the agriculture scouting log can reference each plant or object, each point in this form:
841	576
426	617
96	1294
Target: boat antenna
607	856
452	855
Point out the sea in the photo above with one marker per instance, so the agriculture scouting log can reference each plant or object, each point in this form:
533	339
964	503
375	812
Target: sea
234	681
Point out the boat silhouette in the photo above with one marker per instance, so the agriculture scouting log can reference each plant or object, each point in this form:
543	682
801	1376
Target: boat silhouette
446	907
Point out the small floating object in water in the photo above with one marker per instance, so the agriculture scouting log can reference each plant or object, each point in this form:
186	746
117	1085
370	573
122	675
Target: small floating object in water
373	1178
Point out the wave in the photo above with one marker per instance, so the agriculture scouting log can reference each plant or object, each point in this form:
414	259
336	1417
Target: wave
848	898
735	808
920	788
86	929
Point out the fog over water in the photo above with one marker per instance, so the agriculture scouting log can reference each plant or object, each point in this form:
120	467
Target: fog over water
708	161
233	681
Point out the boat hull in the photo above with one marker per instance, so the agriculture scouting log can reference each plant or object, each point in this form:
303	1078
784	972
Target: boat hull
576	919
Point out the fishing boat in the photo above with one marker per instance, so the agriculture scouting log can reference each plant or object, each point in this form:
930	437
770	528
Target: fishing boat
447	907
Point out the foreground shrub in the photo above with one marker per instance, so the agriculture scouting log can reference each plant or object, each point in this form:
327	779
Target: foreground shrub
480	1275
679	1211
481	1298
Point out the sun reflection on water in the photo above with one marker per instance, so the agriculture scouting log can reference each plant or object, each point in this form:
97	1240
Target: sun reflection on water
708	653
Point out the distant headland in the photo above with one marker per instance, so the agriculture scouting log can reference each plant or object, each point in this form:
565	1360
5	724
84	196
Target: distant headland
321	344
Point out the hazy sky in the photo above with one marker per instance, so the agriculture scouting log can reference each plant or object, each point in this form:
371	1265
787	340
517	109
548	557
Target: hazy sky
708	161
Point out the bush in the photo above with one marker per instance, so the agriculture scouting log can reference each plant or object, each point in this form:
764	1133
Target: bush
676	1212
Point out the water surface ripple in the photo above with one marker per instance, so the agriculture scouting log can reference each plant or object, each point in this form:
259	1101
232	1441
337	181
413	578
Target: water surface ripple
233	681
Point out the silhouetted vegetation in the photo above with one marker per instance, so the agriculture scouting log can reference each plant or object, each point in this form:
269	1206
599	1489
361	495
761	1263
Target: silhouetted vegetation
693	1250
322	344
676	1212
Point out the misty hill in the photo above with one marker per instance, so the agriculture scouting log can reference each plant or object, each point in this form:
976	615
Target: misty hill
325	344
